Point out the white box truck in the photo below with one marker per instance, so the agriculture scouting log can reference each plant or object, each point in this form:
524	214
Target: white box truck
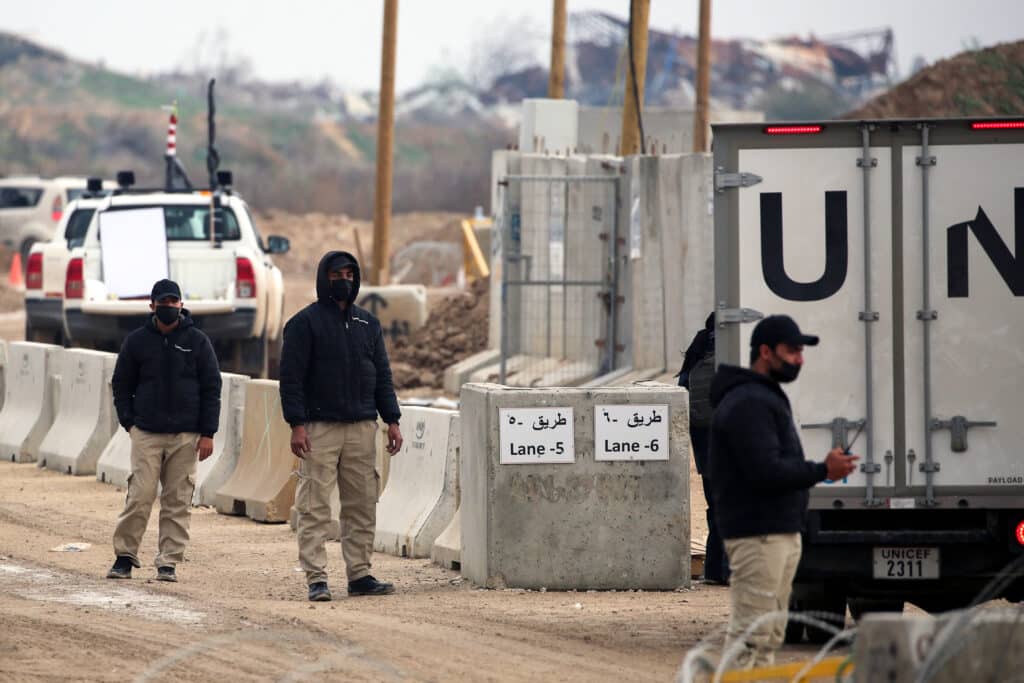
900	243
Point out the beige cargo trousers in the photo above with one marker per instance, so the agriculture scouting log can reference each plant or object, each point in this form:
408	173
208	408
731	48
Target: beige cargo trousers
168	460
761	582
342	455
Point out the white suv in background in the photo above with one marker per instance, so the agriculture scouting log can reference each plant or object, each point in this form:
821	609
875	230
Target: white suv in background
230	284
31	207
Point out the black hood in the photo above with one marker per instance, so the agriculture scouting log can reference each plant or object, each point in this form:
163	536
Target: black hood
323	289
729	377
183	324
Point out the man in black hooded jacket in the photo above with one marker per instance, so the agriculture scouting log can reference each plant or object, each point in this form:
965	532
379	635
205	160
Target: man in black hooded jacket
166	388
760	481
335	381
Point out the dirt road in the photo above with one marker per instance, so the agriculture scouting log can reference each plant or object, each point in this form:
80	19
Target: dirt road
239	612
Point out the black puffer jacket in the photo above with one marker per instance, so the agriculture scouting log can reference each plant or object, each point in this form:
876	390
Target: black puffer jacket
759	476
334	367
168	384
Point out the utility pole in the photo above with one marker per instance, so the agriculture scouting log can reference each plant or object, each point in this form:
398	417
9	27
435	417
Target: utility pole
556	77
385	144
632	109
700	118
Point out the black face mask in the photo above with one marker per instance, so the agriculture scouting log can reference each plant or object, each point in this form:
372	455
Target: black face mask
787	373
168	315
341	290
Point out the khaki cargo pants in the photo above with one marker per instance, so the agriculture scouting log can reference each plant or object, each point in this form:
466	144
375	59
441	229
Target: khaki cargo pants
170	461
342	455
761	582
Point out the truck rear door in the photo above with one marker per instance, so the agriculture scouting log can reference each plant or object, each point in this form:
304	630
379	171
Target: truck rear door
964	310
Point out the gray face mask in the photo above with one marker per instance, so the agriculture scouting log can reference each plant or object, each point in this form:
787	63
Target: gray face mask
168	315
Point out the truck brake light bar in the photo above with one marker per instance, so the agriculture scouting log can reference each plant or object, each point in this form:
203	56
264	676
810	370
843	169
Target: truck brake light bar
793	130
997	125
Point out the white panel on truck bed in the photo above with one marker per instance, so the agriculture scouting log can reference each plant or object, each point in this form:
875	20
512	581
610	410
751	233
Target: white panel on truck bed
976	264
801	249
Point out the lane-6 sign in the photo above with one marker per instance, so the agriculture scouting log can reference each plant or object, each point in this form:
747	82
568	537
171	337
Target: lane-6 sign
631	432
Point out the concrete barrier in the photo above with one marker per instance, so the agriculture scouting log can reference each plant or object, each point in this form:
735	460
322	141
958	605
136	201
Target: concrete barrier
28	399
986	644
458	374
401	309
3	371
213	473
419	500
85	418
575	488
447	550
263	484
115	462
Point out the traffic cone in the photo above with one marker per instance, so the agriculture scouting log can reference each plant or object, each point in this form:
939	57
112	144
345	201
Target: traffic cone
16	278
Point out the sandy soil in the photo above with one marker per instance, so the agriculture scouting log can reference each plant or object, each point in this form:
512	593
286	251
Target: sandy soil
239	612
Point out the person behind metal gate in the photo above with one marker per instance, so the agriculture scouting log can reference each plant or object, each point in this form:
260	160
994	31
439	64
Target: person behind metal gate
335	380
696	375
166	387
760	481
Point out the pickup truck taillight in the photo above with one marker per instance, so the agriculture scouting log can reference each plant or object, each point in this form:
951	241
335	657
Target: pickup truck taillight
57	210
1019	533
74	283
245	279
34	272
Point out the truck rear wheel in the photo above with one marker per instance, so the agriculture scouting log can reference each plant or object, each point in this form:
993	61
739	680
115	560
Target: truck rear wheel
251	357
829	607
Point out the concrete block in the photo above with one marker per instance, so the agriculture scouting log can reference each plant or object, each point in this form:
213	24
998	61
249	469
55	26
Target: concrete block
3	371
419	500
457	375
213	473
986	644
263	484
115	462
491	373
548	125
28	399
447	550
401	309
85	419
585	524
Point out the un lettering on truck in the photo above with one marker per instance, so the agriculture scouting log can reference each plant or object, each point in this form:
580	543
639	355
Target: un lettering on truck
901	244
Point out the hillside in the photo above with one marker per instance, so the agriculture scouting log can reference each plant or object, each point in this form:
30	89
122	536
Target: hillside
291	148
988	82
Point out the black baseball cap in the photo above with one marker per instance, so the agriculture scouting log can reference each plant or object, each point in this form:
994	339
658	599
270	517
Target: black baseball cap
164	288
780	329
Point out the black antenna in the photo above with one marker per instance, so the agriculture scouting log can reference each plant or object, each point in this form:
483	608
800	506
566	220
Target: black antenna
212	157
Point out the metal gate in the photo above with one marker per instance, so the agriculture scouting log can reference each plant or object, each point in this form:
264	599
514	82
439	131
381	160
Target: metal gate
559	277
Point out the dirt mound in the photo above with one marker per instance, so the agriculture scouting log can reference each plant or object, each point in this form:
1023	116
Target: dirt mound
987	82
11	300
456	329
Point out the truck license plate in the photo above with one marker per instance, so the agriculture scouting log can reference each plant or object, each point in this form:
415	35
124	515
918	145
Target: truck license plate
906	563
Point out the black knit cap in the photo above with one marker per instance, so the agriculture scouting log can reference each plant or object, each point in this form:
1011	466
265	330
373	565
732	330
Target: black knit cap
164	288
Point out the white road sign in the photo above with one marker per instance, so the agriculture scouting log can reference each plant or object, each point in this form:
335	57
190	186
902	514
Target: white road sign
631	432
536	435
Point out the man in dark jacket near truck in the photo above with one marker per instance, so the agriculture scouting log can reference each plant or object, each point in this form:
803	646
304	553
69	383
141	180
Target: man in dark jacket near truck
166	388
760	481
335	380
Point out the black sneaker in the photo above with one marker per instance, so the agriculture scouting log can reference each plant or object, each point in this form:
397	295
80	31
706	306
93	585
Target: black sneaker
318	592
369	586
166	574
122	568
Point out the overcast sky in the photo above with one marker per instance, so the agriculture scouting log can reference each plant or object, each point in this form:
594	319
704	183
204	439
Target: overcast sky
340	39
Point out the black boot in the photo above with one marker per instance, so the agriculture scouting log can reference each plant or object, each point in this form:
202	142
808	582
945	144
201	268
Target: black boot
318	592
166	574
369	586
122	568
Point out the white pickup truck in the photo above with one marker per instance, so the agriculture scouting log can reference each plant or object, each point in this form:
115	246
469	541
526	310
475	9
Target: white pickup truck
230	284
45	270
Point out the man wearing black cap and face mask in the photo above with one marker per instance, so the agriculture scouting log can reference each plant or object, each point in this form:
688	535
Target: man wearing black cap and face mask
335	381
166	388
760	481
